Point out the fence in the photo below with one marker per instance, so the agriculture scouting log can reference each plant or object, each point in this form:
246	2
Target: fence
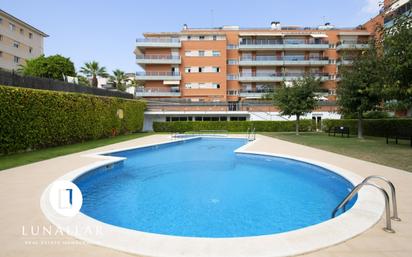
13	79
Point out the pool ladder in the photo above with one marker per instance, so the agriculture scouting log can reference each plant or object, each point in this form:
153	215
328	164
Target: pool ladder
251	134
395	216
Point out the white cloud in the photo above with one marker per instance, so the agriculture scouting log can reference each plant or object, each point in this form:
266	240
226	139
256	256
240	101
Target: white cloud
371	6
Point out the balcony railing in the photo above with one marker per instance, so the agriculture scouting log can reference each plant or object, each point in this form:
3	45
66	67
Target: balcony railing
263	44
344	61
142	92
158	59
352	45
256	93
283	60
279	76
158	75
282	42
158	42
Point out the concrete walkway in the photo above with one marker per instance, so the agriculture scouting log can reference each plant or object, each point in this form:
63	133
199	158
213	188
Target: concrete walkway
21	217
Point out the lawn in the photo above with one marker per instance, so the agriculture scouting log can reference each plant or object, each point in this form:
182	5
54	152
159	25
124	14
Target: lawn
14	160
373	149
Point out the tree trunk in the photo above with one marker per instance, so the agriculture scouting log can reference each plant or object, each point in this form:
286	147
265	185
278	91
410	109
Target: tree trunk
360	126
297	124
94	81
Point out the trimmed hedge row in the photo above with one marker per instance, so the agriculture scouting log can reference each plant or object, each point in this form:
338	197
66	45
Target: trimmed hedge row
372	127
231	126
33	119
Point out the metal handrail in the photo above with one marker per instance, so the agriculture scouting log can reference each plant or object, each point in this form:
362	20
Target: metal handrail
349	197
393	194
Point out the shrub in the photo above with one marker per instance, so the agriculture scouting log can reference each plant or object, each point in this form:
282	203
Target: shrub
33	119
231	126
372	127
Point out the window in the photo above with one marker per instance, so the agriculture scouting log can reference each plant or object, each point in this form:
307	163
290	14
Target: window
1	20
30	35
1	37
216	53
201	53
1	54
232	62
16	44
200	69
12	27
231	46
201	37
188	70
218	86
189	37
16	59
214	37
21	31
30	49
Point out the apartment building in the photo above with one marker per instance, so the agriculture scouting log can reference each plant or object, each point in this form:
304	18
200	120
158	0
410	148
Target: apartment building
395	8
225	72
19	41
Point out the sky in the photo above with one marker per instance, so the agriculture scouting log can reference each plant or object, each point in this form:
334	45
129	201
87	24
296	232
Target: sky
106	30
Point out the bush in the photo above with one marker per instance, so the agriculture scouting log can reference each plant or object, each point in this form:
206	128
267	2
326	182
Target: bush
231	126
33	119
369	115
372	127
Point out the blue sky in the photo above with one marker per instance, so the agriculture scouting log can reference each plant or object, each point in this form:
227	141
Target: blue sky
105	31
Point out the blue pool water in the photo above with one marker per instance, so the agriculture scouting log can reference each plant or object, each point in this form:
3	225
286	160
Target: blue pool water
201	188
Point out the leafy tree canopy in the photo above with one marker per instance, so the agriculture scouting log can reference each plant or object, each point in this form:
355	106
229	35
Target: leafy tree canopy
54	67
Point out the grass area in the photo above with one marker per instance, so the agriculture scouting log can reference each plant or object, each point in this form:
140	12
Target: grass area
14	160
373	149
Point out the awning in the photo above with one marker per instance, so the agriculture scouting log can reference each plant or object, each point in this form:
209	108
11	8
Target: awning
319	35
171	82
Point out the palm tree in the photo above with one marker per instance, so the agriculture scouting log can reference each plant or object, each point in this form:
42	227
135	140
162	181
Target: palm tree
119	79
93	69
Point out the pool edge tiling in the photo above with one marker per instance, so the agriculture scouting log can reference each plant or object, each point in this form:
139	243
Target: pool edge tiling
364	214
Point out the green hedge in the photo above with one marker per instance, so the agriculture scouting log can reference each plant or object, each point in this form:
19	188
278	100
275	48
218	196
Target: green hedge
371	127
231	126
33	119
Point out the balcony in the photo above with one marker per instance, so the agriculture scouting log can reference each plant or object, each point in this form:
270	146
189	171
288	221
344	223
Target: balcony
351	45
277	44
254	93
158	75
158	42
283	61
344	61
277	76
157	59
157	92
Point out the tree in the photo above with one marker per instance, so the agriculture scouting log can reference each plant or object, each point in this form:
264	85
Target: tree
54	67
297	99
83	81
397	58
119	79
360	89
92	69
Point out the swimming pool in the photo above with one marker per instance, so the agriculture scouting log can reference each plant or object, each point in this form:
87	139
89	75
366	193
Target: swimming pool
202	188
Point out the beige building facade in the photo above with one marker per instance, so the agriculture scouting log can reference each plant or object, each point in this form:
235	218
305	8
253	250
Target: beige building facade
19	41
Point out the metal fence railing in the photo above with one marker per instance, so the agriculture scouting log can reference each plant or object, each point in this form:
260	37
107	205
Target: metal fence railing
13	79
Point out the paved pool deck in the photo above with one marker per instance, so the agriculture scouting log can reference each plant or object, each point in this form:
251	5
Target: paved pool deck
22	187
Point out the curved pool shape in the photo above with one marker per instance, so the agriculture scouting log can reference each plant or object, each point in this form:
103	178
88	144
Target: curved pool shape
202	188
